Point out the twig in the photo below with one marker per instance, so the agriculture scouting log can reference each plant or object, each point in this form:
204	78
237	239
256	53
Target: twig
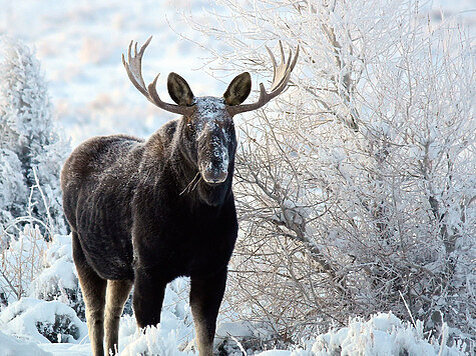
191	186
408	309
45	202
242	349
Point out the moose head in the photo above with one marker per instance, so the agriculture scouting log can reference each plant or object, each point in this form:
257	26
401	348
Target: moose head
208	140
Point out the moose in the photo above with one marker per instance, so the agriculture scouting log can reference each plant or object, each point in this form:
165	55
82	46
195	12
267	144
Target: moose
143	213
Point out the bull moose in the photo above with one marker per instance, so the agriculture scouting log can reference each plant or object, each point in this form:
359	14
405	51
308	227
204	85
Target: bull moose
145	212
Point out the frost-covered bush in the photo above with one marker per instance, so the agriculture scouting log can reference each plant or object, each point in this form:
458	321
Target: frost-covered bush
382	334
155	341
58	279
356	188
20	262
173	334
32	149
31	266
42	321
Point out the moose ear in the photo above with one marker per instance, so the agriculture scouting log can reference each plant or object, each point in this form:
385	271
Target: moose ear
238	90
179	90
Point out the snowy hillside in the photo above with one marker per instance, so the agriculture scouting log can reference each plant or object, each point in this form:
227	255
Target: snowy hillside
79	45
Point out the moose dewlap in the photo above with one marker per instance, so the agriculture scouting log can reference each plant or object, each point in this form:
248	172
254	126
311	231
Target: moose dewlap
145	212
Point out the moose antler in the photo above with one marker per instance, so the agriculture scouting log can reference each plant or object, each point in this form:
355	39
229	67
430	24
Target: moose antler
134	71
281	76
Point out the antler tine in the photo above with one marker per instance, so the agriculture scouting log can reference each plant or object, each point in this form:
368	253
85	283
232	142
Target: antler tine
281	49
282	72
273	61
281	75
133	68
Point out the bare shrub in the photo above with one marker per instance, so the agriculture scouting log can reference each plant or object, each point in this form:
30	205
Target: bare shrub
21	262
23	248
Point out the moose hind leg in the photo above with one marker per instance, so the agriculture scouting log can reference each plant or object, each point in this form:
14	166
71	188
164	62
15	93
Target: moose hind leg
93	288
116	295
205	299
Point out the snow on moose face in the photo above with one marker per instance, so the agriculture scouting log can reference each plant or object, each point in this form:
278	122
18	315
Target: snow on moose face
215	140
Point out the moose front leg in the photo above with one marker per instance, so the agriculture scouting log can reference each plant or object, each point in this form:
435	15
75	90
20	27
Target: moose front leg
205	299
148	296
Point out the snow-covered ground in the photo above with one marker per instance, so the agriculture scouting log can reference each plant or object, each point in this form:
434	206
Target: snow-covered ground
79	44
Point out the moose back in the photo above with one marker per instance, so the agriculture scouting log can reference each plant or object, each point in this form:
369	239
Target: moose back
145	212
